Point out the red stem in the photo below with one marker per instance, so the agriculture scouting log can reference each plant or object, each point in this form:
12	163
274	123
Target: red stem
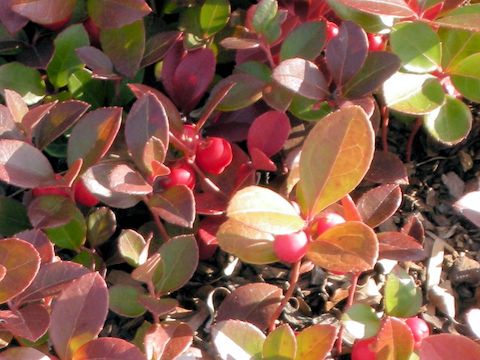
158	223
384	111
180	145
415	127
294	275
351	296
209	183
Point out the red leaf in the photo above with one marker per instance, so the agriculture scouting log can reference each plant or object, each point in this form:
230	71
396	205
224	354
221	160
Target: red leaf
78	314
379	204
41	243
261	161
176	205
167	341
449	346
30	322
210	204
192	77
399	246
253	303
45	12
396	8
20	353
414	228
97	61
394	340
158	45
117	13
387	168
49	211
11	20
22	262
158	307
107	348
269	132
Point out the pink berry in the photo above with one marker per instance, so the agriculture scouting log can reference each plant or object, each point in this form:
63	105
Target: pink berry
419	328
363	349
291	248
180	174
83	195
375	42
213	155
326	221
332	30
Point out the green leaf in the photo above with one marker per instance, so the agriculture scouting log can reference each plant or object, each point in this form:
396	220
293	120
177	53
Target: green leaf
83	87
65	60
236	339
71	235
125	47
415	94
457	45
451	123
465	17
179	260
265	12
280	344
402	297
465	77
123	300
273	29
24	80
13	217
264	210
315	342
257	69
306	41
214	15
131	246
309	110
361	321
335	157
101	225
417	45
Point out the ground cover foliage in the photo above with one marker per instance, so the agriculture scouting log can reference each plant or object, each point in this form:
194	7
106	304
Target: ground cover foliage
221	179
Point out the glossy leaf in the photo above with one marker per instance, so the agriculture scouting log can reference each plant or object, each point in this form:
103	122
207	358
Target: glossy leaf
126	12
158	45
101	225
451	123
179	260
167	341
147	119
45	12
253	303
444	346
379	204
125	47
413	93
306	41
417	45
315	342
123	300
97	61
21	261
394	340
265	211
387	168
335	157
72	235
17	353
274	123
41	243
302	77
396	8
15	104
13	217
280	344
65	60
346	53
246	91
93	135
236	339
23	165
131	246
378	67
30	322
214	15
24	80
399	246
457	45
78	314
465	77
361	321
107	348
348	247
402	297
250	245
158	307
58	120
51	211
265	12
176	205
465	18
51	279
12	21
145	272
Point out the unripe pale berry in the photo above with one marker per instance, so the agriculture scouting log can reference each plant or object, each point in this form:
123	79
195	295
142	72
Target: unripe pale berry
83	195
326	221
363	349
332	30
419	328
375	42
291	248
180	174
213	155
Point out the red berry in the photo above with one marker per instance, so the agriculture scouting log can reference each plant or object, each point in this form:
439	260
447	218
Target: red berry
291	248
419	328
326	221
180	174
207	236
93	31
213	155
375	42
363	349
83	196
332	30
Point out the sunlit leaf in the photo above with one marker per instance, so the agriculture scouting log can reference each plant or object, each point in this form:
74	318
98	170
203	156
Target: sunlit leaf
17	353
399	246
176	205
214	15
236	339
30	322
361	321
126	12
306	41
469	206
246	91
402	297
123	300
41	243
464	17
315	342
335	157
265	12
457	45
167	341
449	346
24	80
397	8
465	76
280	344
348	247
131	246
101	225
45	12
394	340
108	348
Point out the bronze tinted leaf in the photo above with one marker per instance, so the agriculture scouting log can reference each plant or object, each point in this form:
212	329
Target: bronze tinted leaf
394	340
449	346
116	13
399	246
315	342
176	205
107	348
387	168
379	204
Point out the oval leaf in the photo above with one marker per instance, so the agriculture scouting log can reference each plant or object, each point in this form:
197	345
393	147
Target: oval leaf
131	246
30	322
387	168
51	211
449	346
315	342
379	204
72	235
274	123
16	353
335	157
280	344
45	12
107	348
123	300
24	80
167	341
176	205
399	246
402	297
396	8
394	340
361	321
348	247
306	41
